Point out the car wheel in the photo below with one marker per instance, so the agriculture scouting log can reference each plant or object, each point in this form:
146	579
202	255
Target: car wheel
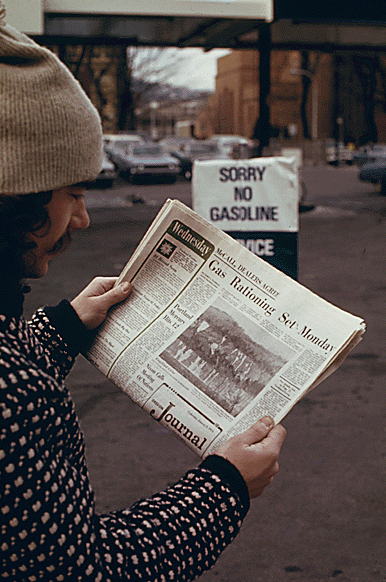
106	183
383	187
127	175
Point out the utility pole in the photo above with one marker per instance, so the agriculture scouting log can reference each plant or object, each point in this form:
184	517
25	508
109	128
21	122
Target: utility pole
314	99
264	45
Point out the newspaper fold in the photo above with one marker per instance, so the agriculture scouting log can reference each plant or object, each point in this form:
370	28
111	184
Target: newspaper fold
212	337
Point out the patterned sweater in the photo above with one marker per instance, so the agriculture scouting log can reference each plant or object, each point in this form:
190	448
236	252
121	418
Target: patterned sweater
49	528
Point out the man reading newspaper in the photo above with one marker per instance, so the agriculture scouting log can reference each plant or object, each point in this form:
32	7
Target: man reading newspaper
50	146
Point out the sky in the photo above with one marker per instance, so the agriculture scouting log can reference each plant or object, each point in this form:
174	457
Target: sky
198	70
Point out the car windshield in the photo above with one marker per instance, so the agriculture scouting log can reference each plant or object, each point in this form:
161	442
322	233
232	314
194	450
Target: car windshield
204	148
150	150
228	144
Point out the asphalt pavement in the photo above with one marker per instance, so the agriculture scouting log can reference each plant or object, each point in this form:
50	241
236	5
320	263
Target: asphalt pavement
324	516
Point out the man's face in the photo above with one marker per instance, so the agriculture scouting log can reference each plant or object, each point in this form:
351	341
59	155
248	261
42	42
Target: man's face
67	212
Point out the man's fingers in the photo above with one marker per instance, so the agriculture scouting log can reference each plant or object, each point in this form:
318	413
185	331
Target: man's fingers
124	288
100	285
268	474
275	438
274	470
257	431
116	294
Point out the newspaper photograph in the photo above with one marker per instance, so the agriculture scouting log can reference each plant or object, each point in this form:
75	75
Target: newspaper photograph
212	337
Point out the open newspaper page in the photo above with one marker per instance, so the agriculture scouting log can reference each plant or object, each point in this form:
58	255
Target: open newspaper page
212	337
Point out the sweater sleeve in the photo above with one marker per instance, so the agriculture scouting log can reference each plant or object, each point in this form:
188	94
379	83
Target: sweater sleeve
179	533
61	333
50	530
69	326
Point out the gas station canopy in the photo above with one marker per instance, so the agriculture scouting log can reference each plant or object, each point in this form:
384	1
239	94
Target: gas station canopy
181	23
331	25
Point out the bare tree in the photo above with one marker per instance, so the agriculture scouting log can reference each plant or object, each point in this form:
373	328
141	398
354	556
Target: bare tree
382	74
147	69
153	65
367	67
119	79
309	65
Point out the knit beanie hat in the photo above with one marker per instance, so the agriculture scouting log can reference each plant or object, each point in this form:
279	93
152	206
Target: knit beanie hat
50	133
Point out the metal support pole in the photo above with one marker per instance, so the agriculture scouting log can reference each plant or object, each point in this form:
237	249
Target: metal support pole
265	86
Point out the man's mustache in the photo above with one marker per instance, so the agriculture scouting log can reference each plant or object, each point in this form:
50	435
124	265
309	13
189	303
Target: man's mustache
61	244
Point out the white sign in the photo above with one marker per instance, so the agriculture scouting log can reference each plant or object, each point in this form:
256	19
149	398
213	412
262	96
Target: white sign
255	201
255	9
253	194
26	16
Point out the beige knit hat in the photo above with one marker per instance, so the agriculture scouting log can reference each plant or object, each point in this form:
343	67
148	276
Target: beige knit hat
50	133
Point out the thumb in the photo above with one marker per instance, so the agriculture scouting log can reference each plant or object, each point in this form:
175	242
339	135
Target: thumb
115	295
257	431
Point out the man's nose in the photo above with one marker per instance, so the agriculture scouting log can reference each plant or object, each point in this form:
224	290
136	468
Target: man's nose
80	218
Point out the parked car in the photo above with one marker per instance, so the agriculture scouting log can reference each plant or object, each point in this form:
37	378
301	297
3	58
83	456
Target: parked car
192	150
136	160
233	146
110	140
337	152
108	173
171	144
369	153
374	172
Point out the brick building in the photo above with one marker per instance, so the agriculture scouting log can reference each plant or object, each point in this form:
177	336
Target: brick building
350	102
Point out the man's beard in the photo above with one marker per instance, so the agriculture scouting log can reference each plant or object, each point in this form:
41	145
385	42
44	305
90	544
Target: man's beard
61	244
31	262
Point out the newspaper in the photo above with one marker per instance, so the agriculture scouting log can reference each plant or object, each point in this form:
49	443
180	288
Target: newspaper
212	337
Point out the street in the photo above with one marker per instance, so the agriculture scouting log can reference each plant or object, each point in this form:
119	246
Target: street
324	516
325	185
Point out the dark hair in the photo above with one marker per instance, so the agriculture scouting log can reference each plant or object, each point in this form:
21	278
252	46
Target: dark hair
19	216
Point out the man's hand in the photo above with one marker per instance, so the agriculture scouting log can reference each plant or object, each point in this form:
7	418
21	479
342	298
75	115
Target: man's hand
255	453
93	303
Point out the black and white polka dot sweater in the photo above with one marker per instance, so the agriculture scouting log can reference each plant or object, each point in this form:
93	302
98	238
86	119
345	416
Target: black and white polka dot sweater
49	528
